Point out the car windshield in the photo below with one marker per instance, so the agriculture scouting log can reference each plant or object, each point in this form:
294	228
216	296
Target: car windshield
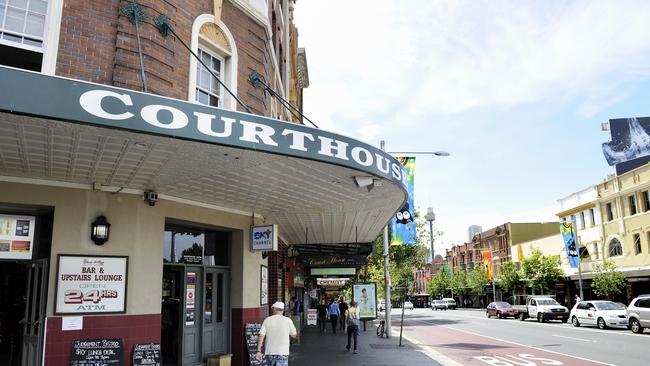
609	306
502	304
547	302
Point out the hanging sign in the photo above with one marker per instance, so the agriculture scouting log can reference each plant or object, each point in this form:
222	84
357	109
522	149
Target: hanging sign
402	225
16	236
91	284
264	238
566	229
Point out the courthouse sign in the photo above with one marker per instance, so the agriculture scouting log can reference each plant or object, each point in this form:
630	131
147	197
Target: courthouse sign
87	103
91	284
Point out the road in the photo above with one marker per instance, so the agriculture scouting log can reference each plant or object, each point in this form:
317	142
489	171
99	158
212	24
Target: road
468	337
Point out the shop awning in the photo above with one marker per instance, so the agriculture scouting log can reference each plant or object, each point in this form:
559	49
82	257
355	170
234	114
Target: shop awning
60	131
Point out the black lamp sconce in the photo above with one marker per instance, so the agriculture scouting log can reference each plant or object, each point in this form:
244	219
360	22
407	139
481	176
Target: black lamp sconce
99	230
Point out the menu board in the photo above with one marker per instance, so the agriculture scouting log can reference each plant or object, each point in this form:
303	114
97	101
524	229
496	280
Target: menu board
147	354
252	331
17	236
97	352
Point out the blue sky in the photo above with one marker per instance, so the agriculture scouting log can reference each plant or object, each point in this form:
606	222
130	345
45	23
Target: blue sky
514	90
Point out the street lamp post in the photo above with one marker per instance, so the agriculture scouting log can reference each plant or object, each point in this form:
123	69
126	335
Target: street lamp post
431	217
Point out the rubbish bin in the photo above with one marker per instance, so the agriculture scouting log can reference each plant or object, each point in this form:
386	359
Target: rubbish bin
219	360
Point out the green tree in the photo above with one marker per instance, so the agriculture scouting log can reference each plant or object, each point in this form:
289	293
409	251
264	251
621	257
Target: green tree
477	280
439	284
607	281
510	277
458	283
540	271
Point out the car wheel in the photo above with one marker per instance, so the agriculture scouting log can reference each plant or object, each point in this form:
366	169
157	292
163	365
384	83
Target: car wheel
635	326
575	322
601	323
487	313
540	318
522	316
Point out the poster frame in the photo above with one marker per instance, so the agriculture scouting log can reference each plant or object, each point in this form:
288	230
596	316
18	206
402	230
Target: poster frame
365	284
264	269
126	283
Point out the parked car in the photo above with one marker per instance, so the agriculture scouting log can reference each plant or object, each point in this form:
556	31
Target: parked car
500	309
542	308
438	305
451	303
600	313
638	314
381	305
408	305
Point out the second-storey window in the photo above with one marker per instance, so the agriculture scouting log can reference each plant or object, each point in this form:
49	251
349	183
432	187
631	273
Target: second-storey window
592	217
632	200
646	201
208	89
610	211
637	244
22	33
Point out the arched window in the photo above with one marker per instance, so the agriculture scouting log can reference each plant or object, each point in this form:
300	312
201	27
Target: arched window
615	248
215	46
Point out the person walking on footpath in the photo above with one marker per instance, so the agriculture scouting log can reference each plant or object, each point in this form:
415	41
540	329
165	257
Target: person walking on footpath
322	316
334	311
276	330
352	323
343	307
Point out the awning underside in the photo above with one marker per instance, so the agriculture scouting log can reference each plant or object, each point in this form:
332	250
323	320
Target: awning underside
312	202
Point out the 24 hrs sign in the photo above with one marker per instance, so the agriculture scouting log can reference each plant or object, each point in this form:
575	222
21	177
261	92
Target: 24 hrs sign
88	284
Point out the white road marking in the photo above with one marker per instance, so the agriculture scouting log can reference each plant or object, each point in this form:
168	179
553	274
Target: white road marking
577	339
519	344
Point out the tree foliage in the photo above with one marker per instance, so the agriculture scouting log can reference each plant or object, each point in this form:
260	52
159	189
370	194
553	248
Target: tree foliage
540	271
477	280
458	283
509	277
607	281
439	284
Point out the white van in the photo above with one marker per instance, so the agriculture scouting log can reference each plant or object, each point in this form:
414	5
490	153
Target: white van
451	303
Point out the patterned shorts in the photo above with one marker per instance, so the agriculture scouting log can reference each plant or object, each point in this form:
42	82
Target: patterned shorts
277	360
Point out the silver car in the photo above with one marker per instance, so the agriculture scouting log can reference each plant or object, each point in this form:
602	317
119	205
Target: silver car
638	314
602	313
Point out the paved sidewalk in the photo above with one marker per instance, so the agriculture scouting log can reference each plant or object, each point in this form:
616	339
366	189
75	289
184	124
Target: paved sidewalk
317	349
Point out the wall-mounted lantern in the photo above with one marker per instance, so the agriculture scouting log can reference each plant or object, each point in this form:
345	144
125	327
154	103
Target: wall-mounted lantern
99	230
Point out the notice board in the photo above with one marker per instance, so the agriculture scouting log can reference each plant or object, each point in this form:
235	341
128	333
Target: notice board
252	331
97	352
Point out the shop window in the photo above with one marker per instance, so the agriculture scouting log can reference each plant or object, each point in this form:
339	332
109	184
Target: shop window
637	244
610	211
632	203
615	248
209	285
195	246
22	31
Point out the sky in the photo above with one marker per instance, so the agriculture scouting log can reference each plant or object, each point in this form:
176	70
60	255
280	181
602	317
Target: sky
515	91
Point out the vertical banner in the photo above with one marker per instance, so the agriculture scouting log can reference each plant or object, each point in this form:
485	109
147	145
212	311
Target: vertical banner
566	228
402	225
520	253
486	255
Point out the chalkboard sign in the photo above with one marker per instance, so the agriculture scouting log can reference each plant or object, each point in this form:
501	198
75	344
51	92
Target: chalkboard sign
97	352
147	355
252	332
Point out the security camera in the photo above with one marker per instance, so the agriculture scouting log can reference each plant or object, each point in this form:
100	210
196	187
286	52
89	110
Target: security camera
151	197
363	182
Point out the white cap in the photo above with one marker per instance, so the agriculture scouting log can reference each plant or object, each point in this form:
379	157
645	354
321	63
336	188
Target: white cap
278	305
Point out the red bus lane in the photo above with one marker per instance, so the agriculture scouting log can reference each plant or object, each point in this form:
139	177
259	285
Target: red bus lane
472	349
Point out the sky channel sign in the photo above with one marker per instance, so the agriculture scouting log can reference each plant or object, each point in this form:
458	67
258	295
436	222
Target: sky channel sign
264	238
630	144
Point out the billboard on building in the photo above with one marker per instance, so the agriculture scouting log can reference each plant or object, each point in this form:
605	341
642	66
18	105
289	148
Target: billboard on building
629	147
402	225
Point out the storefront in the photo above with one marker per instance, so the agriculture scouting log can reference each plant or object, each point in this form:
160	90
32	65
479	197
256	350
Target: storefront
127	216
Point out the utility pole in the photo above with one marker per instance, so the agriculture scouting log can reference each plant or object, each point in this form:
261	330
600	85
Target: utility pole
386	273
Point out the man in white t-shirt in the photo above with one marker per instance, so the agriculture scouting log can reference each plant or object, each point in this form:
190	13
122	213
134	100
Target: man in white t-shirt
276	330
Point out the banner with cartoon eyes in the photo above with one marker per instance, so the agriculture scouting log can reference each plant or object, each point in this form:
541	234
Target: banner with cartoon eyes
569	236
402	225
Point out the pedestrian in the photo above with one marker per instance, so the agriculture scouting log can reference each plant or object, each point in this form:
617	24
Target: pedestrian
322	315
343	306
276	330
334	313
352	323
577	298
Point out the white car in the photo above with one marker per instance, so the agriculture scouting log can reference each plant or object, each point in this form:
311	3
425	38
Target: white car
600	313
451	303
408	305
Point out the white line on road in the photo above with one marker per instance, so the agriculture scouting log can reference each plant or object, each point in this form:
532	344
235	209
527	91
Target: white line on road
577	339
517	344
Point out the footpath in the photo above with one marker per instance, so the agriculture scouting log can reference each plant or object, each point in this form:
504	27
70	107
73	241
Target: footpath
317	349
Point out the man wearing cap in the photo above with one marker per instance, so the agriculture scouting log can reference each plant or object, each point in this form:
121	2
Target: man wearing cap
276	330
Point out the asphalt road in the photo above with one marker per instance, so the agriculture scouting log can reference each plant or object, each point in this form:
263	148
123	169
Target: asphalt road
468	337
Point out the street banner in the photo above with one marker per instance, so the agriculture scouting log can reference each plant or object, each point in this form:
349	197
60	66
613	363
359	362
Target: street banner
486	255
566	229
402	225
